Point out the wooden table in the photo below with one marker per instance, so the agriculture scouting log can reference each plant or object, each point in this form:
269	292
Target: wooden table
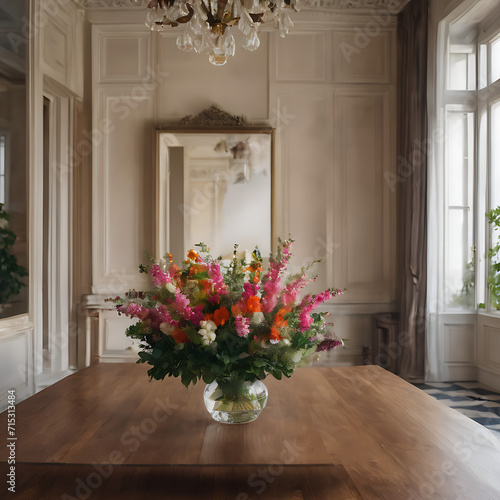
327	433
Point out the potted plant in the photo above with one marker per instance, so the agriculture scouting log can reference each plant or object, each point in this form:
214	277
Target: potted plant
11	273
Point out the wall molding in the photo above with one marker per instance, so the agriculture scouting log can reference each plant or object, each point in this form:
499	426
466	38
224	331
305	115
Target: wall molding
391	6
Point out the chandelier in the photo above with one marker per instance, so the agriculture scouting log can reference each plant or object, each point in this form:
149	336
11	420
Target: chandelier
209	24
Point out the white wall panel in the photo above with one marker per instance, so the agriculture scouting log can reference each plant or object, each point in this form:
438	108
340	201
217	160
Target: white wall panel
306	169
55	42
364	204
459	343
124	57
189	83
303	56
123	190
488	349
492	345
114	345
16	359
360	58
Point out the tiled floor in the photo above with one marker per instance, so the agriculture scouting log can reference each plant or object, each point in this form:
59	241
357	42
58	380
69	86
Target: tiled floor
469	398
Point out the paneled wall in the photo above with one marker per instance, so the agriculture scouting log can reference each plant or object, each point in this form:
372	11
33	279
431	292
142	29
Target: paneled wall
56	71
335	120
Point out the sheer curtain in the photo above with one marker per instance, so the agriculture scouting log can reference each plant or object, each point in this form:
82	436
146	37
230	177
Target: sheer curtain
412	202
435	367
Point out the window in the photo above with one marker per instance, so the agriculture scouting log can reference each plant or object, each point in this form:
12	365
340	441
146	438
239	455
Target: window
472	165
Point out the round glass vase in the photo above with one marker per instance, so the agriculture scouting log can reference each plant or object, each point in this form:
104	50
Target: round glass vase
235	402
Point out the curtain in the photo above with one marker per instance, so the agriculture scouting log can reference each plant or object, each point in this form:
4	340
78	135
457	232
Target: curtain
412	194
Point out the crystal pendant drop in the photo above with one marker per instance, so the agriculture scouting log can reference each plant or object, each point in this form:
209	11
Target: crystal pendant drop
196	25
252	42
217	59
284	24
201	44
151	19
230	46
245	23
184	42
237	9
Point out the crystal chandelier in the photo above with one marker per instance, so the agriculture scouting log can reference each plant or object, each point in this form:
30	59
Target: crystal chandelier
208	24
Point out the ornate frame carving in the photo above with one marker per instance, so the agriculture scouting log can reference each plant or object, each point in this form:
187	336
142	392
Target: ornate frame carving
214	116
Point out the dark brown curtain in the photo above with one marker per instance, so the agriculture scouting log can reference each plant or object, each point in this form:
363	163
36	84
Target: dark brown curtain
412	184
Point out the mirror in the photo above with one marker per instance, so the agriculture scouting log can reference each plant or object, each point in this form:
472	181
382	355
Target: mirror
214	186
13	159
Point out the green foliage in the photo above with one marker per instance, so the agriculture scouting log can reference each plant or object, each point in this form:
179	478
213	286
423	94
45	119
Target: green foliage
466	296
493	217
11	273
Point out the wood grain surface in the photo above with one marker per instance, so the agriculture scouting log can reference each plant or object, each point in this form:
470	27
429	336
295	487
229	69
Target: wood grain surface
356	432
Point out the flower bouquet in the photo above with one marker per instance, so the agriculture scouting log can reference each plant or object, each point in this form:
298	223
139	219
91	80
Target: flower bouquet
229	325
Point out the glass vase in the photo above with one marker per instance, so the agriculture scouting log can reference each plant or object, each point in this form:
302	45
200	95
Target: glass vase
235	402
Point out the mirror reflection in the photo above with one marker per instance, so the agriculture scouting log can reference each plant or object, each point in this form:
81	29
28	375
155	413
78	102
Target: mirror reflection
217	190
13	161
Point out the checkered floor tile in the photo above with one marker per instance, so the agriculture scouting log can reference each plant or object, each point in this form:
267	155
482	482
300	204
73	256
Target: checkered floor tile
469	398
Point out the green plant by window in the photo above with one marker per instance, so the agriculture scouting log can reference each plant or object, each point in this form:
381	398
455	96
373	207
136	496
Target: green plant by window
466	296
11	273
493	217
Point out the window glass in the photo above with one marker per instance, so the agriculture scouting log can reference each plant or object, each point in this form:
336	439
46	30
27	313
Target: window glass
460	169
495	60
462	68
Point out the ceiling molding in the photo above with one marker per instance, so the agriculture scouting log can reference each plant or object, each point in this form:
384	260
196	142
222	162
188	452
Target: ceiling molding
390	6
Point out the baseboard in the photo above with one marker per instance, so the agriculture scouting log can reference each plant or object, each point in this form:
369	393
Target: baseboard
489	378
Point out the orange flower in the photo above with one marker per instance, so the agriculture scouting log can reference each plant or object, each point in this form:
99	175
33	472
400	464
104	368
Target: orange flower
279	321
221	315
253	304
192	255
170	258
275	334
206	286
256	278
180	336
254	268
236	310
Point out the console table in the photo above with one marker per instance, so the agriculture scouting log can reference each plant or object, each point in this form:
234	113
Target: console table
327	433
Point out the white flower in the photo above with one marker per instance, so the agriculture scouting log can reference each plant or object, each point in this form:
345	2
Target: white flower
273	341
170	287
208	325
167	328
285	342
3	223
207	331
257	318
297	356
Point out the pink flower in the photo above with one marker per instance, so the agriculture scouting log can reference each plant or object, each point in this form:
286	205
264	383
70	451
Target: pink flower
216	276
160	278
160	315
197	315
309	303
242	326
328	344
272	280
134	310
292	290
